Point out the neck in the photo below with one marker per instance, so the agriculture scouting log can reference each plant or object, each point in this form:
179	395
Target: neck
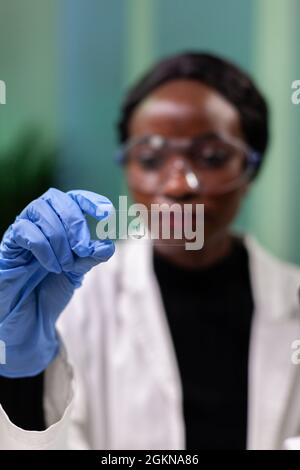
213	250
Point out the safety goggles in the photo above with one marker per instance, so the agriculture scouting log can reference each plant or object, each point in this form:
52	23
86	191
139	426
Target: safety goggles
211	163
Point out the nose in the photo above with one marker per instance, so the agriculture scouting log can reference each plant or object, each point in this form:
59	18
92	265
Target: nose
181	180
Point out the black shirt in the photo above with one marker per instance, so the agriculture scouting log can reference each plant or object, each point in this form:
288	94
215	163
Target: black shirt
209	313
22	400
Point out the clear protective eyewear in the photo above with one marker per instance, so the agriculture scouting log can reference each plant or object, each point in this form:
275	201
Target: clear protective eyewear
211	163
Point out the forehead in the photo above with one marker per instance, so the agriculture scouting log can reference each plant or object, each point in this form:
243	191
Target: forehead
185	108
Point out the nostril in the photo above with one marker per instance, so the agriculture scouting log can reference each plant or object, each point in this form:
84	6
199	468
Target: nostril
186	198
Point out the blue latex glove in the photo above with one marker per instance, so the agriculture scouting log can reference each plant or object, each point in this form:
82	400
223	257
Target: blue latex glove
44	255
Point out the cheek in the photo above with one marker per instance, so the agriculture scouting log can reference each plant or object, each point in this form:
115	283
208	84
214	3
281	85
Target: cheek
137	196
141	198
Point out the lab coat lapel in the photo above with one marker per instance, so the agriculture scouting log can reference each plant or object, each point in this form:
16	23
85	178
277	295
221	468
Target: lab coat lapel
271	372
148	324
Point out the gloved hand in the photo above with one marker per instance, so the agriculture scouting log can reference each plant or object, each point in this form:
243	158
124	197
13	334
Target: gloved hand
44	255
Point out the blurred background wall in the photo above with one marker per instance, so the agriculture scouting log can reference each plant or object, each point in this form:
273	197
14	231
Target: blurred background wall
67	63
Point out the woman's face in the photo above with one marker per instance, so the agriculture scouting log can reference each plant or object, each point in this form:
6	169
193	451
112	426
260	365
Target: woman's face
185	109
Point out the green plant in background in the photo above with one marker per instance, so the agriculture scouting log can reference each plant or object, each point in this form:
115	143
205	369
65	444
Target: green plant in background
26	171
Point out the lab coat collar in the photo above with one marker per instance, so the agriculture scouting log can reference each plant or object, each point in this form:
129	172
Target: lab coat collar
145	317
265	275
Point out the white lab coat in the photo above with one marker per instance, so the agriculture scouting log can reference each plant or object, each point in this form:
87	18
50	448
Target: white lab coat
123	389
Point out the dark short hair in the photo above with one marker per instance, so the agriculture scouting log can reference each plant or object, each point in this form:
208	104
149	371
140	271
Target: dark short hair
223	76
